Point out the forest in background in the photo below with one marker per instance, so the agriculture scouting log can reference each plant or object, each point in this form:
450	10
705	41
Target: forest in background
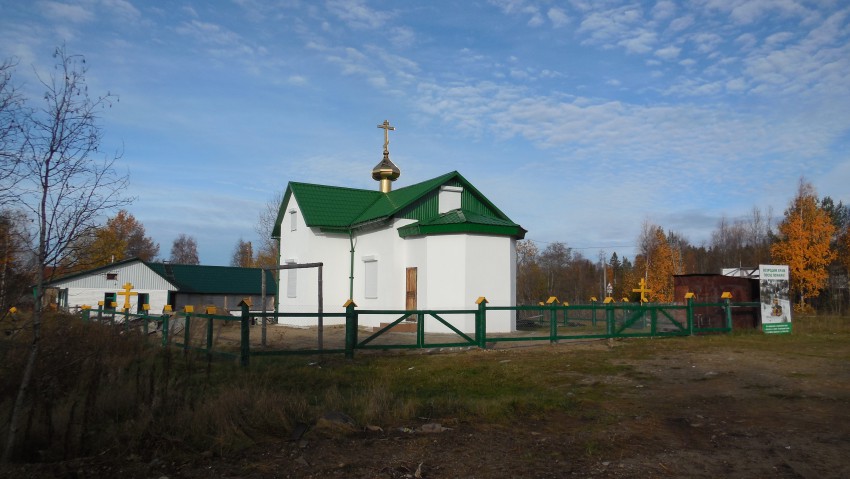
811	237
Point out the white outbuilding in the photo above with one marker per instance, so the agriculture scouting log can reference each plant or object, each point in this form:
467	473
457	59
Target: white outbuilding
133	283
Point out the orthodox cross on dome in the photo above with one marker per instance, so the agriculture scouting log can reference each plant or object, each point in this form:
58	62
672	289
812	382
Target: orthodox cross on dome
386	172
386	127
642	290
127	293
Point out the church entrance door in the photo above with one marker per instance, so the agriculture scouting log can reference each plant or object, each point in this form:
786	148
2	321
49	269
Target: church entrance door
410	291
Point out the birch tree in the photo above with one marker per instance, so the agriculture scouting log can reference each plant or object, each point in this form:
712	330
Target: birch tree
184	250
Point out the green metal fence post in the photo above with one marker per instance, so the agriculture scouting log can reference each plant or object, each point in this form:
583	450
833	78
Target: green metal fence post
350	329
653	321
553	319
210	335
609	323
592	312
420	330
186	336
728	307
245	346
165	327
690	314
481	323
126	313
609	316
86	313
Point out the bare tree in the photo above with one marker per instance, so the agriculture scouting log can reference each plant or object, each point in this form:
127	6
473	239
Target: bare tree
243	255
11	111
184	250
64	184
268	254
554	260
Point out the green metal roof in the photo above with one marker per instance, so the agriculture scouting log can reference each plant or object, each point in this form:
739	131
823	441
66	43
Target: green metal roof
390	203
343	209
192	278
463	221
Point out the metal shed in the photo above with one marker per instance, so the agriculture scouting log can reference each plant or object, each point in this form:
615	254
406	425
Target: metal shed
709	287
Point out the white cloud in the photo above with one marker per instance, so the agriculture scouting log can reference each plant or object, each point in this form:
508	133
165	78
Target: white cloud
402	37
747	12
206	32
558	17
641	42
536	18
681	23
356	14
778	38
65	12
298	80
736	85
663	9
668	53
123	9
747	41
706	42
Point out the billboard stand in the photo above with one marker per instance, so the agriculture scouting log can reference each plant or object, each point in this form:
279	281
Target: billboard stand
775	301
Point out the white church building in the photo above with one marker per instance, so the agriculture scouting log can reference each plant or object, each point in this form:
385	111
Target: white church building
435	245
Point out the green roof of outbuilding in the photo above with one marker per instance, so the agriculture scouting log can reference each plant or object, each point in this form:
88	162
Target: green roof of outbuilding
195	278
337	208
192	278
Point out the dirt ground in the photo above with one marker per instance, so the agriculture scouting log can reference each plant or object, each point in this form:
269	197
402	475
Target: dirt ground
703	412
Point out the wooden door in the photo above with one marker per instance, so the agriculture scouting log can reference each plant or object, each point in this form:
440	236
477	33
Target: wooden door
410	289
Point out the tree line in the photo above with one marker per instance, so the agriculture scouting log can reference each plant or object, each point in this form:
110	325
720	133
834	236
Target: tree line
812	237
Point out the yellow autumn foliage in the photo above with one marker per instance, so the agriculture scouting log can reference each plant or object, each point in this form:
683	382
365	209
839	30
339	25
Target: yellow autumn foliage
804	245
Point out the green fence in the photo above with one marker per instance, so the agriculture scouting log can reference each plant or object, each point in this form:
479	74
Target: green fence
231	336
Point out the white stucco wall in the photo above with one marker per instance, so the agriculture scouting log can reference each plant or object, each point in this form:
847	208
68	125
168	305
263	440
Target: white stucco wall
157	299
89	289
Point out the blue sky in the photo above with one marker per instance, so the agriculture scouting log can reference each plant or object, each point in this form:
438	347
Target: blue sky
579	119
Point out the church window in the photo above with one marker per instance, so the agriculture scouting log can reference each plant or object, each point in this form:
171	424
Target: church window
293	220
370	275
291	280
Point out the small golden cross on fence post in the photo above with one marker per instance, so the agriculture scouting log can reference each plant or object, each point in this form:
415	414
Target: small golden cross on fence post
127	293
642	290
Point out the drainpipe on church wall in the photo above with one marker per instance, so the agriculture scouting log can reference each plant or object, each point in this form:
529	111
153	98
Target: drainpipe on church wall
351	268
277	278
